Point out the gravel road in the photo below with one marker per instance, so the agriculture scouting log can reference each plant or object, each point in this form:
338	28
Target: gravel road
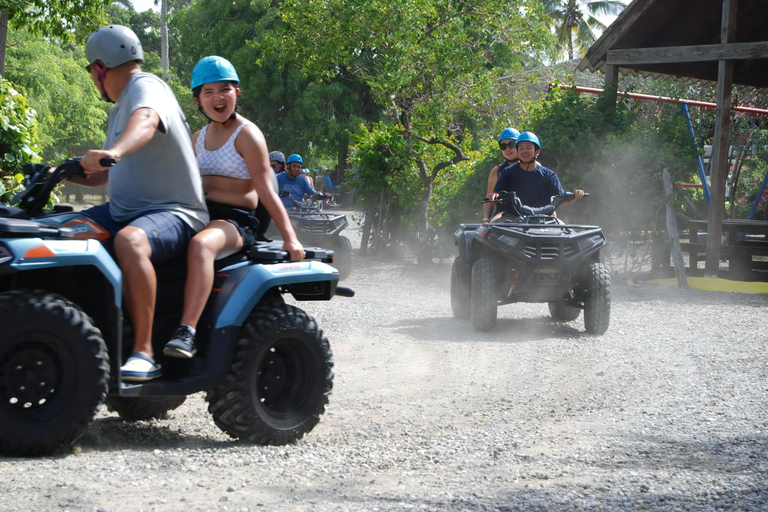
667	410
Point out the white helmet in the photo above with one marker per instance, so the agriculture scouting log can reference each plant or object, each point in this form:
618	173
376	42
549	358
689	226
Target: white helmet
113	45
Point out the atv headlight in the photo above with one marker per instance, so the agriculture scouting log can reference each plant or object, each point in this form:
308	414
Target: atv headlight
5	254
511	241
585	243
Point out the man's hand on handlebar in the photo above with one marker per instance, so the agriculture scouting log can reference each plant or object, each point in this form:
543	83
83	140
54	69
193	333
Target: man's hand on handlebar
294	249
90	161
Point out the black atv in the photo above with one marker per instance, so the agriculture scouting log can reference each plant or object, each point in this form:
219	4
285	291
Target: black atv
319	229
266	366
532	257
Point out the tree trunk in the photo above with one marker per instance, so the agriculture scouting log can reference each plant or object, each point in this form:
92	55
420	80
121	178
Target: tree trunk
426	194
3	39
164	38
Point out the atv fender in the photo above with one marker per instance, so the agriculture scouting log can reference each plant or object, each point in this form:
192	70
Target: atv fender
246	285
30	254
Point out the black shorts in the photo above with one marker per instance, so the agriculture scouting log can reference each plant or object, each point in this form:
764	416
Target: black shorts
243	219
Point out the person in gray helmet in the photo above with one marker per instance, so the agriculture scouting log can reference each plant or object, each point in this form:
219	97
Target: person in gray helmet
277	161
156	201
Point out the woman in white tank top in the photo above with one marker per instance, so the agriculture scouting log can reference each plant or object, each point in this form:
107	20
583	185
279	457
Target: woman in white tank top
234	163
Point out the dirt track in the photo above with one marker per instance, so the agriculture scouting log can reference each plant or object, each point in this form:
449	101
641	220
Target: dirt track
666	410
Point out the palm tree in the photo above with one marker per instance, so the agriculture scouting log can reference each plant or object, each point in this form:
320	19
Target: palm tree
575	21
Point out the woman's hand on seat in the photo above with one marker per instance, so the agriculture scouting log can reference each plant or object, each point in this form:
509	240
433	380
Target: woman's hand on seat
295	249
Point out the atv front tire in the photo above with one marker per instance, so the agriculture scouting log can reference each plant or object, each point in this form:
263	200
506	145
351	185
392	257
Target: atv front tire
54	372
459	294
278	385
562	312
483	295
343	257
597	306
131	408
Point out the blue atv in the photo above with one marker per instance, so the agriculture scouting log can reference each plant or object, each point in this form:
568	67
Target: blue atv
266	366
531	257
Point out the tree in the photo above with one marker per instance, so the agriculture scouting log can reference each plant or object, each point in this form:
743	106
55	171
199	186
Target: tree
298	113
52	77
575	21
64	20
18	139
432	64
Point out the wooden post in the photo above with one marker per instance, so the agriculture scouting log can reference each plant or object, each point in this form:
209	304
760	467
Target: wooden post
674	236
611	85
720	143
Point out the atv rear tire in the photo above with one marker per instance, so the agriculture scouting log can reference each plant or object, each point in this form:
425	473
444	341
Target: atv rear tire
459	294
483	302
562	312
278	385
131	408
54	372
597	306
343	257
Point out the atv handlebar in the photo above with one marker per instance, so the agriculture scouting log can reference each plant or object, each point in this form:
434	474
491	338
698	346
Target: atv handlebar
524	210
39	182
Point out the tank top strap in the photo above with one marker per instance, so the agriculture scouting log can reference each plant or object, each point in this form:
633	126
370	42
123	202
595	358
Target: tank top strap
233	137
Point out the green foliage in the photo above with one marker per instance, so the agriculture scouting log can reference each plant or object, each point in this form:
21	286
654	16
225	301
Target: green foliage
68	106
431	64
18	139
64	20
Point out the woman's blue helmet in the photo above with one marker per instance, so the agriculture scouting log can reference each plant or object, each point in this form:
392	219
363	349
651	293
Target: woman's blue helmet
530	137
295	158
508	133
213	69
305	171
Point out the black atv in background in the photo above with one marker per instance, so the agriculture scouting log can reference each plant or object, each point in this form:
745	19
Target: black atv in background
319	229
531	258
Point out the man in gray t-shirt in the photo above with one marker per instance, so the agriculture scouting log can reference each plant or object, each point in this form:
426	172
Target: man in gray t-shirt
156	196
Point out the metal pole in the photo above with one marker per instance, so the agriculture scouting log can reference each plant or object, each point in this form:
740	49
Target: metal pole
702	174
753	209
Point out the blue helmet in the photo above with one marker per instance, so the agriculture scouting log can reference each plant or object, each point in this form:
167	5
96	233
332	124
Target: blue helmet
295	158
530	137
508	133
305	171
213	69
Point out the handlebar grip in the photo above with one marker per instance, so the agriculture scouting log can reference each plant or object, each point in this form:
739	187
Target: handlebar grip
107	162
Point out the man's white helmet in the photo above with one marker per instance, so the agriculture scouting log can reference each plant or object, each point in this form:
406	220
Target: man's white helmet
113	45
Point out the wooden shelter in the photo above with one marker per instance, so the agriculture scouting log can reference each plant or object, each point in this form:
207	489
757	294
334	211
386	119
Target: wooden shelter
722	41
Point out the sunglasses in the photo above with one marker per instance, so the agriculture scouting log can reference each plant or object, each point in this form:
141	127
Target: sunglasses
505	145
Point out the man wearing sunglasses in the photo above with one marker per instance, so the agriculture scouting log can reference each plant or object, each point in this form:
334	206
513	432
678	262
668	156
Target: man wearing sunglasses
507	144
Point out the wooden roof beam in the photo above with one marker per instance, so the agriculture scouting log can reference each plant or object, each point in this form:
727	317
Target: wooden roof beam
698	53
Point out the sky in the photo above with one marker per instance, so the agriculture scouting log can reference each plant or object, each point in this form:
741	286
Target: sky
143	5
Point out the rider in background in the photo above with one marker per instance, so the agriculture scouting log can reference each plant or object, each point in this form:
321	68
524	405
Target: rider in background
233	160
294	182
534	184
307	175
277	161
507	139
156	201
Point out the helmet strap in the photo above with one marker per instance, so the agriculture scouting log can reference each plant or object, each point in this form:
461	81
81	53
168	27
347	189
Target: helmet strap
101	73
